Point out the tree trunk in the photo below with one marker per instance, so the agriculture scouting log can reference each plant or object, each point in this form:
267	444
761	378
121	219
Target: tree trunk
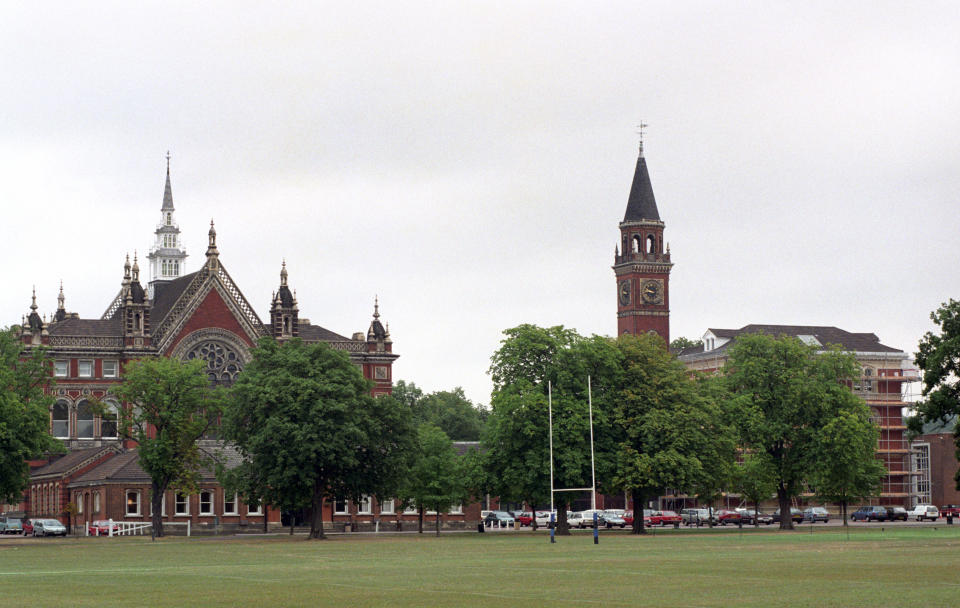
533	513
437	520
420	520
265	512
843	512
786	517
638	504
316	511
156	504
562	528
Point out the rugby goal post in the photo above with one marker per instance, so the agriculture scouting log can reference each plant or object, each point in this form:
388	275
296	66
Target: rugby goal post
593	469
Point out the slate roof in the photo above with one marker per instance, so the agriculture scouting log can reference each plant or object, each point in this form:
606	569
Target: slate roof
462	447
286	298
854	342
125	467
165	296
940	426
70	461
72	326
315	333
641	205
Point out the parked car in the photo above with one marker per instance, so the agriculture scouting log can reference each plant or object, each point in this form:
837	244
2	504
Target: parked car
543	518
695	517
611	519
725	516
796	515
948	510
498	519
525	518
48	527
815	514
895	513
628	517
584	519
101	527
10	525
870	514
27	527
922	512
665	518
748	515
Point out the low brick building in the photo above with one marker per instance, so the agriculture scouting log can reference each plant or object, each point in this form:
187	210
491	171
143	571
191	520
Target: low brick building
935	465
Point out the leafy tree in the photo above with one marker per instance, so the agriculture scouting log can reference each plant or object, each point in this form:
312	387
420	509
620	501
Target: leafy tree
939	359
785	392
435	480
754	478
303	418
847	468
517	437
673	431
170	407
24	414
459	418
681	343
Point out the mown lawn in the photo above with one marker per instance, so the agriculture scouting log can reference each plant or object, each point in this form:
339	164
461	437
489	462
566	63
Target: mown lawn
917	566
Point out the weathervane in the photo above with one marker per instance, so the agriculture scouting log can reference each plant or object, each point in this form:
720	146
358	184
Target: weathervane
640	129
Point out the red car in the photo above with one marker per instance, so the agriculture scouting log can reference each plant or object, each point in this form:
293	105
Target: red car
665	518
725	517
101	527
525	518
953	510
27	527
628	517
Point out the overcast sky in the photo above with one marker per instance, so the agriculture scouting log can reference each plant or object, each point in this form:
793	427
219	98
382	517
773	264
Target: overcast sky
469	162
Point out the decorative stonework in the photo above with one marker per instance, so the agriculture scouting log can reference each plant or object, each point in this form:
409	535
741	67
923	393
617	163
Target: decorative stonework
229	341
87	341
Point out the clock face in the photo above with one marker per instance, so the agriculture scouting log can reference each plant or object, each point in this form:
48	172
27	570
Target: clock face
652	291
624	292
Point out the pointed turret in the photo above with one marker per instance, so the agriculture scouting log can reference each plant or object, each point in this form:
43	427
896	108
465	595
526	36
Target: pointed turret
641	204
284	314
377	335
61	313
33	319
213	254
167	190
167	255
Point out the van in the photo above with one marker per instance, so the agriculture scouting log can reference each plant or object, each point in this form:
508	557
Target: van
922	512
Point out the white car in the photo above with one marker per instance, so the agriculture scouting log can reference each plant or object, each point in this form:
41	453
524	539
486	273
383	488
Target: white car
584	519
48	527
922	512
543	518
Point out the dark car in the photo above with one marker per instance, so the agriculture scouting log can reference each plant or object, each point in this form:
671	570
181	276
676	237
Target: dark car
612	519
498	519
870	514
796	515
815	514
895	513
747	516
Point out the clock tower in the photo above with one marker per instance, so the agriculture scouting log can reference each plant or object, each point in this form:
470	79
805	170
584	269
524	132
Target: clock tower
641	263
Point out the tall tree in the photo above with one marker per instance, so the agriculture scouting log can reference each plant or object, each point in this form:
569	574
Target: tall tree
785	392
435	481
170	405
938	356
303	418
673	430
755	479
24	414
846	464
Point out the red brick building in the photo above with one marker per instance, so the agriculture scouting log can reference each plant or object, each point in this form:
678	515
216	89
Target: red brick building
935	465
198	315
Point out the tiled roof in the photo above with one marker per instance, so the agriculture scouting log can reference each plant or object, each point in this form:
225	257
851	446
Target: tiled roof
854	342
641	205
315	333
165	296
70	460
72	326
126	466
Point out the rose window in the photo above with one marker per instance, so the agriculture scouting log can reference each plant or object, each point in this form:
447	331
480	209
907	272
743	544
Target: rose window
223	363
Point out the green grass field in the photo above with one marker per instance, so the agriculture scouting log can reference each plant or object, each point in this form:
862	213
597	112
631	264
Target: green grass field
917	566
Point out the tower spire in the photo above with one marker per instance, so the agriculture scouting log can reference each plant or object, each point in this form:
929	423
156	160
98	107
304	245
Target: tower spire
167	190
167	256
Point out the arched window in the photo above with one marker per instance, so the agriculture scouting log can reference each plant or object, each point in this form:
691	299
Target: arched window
61	419
636	244
84	420
108	421
651	244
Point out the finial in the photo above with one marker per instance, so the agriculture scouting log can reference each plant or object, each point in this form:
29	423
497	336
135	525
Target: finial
126	264
283	272
640	129
60	298
376	307
168	162
668	247
33	301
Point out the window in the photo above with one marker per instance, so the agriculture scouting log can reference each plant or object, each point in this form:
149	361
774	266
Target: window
340	505
410	509
96	502
254	509
133	502
364	506
108	421
78	500
61	419
387	507
182	505
229	504
109	369
85	369
169	218
60	369
456	510
206	503
84	420
223	362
